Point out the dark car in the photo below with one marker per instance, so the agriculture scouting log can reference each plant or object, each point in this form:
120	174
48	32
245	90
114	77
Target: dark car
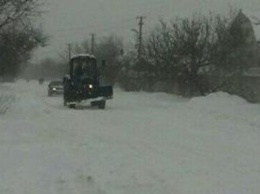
55	87
83	83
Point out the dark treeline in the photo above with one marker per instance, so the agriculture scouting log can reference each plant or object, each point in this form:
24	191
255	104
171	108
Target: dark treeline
194	56
187	56
18	35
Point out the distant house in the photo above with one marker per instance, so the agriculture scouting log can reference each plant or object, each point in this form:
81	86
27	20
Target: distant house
256	26
242	28
245	39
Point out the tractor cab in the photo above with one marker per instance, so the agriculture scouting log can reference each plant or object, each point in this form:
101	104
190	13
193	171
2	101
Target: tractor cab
83	82
83	66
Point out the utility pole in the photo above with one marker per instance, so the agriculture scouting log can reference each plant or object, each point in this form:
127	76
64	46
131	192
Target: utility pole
137	37
69	51
92	43
140	36
13	26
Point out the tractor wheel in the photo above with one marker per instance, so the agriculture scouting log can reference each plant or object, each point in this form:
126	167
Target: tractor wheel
94	103
49	93
72	106
102	104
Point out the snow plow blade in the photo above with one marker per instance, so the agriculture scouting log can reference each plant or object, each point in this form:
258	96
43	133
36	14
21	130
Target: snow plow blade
106	91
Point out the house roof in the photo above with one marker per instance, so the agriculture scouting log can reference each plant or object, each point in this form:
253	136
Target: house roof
255	20
83	55
245	18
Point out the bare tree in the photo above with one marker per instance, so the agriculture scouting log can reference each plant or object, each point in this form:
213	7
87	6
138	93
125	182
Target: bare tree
198	51
181	49
159	52
17	10
18	34
15	49
110	49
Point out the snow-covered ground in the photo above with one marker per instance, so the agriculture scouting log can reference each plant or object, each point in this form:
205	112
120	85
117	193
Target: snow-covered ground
141	143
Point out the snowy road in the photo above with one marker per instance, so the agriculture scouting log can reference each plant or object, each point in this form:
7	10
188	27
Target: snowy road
141	143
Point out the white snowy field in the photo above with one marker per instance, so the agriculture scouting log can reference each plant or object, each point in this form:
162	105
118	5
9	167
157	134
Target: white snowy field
140	144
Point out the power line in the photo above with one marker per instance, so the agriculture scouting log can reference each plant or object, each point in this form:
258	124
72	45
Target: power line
96	25
69	50
98	28
112	23
156	8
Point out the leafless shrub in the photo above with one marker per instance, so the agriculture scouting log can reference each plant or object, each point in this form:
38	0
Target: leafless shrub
6	99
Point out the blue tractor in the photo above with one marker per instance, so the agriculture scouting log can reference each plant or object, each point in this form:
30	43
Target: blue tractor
83	83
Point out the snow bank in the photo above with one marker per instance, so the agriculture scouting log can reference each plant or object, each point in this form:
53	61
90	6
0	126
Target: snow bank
218	99
26	105
28	98
226	110
6	98
220	104
141	143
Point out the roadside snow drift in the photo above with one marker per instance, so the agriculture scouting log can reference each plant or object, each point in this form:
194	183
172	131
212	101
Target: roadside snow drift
141	143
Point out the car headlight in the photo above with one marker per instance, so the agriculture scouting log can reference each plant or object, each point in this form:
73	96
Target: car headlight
54	89
90	86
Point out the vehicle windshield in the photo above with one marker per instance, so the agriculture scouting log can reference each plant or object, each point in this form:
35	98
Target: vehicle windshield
56	83
84	67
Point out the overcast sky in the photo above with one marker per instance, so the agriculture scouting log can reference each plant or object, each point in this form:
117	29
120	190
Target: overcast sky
68	21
